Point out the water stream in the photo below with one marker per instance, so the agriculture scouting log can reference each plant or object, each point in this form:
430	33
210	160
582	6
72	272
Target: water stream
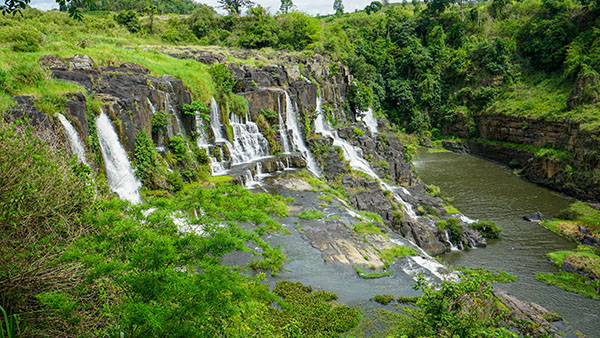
487	191
75	144
291	121
119	173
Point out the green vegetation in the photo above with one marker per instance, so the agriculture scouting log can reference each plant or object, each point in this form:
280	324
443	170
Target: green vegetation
491	276
450	209
367	228
488	229
453	226
383	299
573	282
388	256
371	274
311	214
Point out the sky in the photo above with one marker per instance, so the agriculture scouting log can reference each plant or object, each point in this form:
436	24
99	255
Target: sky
312	7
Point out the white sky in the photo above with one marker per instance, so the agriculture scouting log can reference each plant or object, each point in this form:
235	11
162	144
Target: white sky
312	7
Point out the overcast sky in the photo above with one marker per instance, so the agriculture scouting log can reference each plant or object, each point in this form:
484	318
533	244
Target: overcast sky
312	7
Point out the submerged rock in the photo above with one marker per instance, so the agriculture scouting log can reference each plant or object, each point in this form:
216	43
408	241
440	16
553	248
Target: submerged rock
535	218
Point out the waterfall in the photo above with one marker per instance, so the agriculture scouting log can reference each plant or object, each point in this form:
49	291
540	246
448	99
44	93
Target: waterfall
285	143
368	118
218	167
249	144
299	145
215	121
77	147
357	162
201	139
119	173
446	233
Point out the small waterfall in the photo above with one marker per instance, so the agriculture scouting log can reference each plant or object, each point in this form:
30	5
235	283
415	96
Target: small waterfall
75	143
119	173
249	144
299	145
447	239
170	110
368	118
201	139
285	143
218	167
152	108
215	121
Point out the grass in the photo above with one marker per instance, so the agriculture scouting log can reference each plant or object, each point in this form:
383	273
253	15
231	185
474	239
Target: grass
370	275
450	209
388	256
367	228
311	214
383	299
490	275
571	282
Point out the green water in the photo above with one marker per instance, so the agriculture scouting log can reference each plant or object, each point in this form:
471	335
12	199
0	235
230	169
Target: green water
487	191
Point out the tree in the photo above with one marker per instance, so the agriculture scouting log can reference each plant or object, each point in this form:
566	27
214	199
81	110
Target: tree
72	6
151	11
234	7
286	6
338	6
373	7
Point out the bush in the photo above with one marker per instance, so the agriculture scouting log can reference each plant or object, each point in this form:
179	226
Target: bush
453	225
383	299
159	121
129	19
222	77
179	147
29	74
44	195
488	229
26	41
145	157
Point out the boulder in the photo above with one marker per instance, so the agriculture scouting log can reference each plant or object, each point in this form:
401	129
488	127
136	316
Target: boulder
81	62
535	218
53	62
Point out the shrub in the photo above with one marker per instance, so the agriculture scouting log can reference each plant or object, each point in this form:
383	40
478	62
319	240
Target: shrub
452	225
159	121
383	299
488	229
196	106
129	19
179	147
222	77
26	41
29	74
145	156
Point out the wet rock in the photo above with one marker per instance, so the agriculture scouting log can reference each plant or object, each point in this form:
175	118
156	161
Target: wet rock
424	235
472	238
295	184
53	62
589	240
535	218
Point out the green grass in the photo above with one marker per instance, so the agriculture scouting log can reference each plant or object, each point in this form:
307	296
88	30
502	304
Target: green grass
311	214
370	275
388	256
383	299
571	282
367	228
450	209
490	275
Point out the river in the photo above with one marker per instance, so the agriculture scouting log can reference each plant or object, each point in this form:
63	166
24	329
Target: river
487	191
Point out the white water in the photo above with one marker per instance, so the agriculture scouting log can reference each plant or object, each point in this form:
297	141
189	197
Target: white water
75	143
447	238
368	118
297	140
215	121
285	143
119	173
218	167
201	139
249	144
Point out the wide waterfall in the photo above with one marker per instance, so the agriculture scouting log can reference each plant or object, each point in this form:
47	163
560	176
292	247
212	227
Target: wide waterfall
249	144
297	140
368	118
119	173
75	143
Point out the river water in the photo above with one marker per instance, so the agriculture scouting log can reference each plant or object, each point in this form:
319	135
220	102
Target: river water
488	191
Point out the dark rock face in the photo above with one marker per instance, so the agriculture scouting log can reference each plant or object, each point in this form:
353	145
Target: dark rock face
424	235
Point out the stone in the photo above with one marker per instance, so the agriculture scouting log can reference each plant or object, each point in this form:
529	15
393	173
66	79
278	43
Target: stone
81	62
135	67
53	62
535	218
295	184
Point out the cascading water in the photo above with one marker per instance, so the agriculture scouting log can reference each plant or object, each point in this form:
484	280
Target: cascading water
201	139
285	143
215	121
75	143
297	141
249	144
368	118
356	160
119	173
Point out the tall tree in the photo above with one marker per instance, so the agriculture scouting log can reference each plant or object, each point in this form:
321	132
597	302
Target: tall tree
151	11
73	6
234	7
338	6
286	6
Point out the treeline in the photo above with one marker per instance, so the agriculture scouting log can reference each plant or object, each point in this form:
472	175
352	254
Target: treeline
162	6
427	64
